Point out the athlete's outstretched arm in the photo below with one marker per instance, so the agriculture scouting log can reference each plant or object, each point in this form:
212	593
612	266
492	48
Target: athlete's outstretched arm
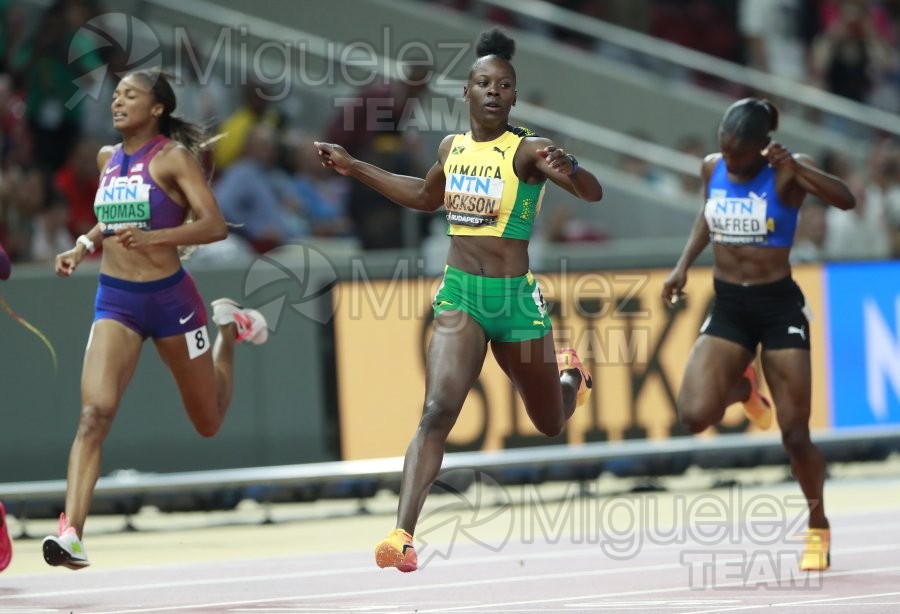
410	192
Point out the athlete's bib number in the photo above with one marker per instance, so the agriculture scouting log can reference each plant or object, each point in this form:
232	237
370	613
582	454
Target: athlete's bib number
197	342
123	202
737	221
473	201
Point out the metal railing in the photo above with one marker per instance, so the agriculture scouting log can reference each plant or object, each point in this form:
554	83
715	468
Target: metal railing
667	457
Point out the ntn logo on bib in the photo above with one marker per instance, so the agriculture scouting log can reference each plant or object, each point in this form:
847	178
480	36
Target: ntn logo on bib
473	201
123	202
737	220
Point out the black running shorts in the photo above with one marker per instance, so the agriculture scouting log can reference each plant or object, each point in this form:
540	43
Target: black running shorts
774	314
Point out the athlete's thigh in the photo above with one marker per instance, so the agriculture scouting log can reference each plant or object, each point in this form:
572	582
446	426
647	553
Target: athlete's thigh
714	366
455	357
110	360
788	375
189	357
532	368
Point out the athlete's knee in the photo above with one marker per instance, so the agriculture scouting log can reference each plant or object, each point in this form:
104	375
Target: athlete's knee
551	427
96	420
692	423
208	428
207	418
795	439
437	418
691	415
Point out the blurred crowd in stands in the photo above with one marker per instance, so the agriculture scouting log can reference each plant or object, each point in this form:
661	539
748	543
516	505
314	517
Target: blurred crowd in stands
271	187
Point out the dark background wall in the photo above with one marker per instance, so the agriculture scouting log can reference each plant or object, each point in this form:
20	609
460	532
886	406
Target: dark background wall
278	415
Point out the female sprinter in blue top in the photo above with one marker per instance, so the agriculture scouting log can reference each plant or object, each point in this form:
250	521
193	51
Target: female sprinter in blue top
754	188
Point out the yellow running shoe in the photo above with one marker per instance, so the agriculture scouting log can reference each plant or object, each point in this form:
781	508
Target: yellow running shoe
817	554
757	407
568	359
397	550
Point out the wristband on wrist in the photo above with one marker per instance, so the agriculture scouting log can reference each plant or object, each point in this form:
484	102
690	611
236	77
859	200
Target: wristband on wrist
87	243
574	164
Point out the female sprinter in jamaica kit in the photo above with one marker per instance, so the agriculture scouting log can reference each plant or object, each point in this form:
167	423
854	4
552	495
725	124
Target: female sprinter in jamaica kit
149	183
490	181
753	191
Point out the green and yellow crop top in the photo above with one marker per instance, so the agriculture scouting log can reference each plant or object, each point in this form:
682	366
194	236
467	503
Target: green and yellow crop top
482	195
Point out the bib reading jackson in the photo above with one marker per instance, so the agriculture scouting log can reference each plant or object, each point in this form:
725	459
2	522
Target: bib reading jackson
482	194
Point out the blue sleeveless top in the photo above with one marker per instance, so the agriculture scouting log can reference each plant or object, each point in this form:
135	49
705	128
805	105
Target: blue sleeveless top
748	213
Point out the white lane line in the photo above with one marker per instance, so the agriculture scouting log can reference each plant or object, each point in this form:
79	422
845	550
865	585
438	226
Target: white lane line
368	569
492	606
487	581
794	604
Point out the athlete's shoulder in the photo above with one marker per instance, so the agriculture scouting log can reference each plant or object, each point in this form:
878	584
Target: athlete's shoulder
175	152
446	144
709	164
103	156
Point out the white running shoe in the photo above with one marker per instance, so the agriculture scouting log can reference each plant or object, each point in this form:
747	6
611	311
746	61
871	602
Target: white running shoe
65	549
251	325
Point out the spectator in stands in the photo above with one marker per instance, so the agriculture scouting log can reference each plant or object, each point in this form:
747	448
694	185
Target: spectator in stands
202	95
256	196
370	126
235	130
77	181
321	193
850	58
51	81
753	190
866	232
491	182
662	181
152	186
26	198
51	234
692	145
704	25
773	37
95	110
812	230
16	146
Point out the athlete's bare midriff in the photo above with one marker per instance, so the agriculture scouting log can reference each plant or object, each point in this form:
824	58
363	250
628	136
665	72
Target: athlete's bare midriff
489	256
148	264
751	265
